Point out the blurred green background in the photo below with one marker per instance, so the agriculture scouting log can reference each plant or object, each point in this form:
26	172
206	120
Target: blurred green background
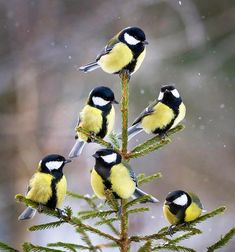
42	44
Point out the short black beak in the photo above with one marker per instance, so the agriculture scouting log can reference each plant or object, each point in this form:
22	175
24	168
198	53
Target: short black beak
67	161
95	155
167	203
145	42
116	102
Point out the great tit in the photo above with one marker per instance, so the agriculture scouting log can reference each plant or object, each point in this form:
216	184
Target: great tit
111	173
181	207
97	117
163	114
48	185
125	51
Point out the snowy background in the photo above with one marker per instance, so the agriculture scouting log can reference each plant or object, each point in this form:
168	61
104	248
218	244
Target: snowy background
191	44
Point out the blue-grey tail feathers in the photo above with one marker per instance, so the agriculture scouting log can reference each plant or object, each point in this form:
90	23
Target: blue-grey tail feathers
138	193
28	213
77	149
89	67
133	131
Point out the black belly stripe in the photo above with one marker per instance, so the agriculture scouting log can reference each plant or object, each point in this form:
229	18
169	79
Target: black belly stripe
52	202
104	128
108	185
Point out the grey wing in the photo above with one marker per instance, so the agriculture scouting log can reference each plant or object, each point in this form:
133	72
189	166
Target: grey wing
105	50
149	110
132	173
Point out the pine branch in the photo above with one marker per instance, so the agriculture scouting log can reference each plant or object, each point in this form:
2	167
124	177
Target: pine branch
124	75
85	237
29	247
72	221
140	199
93	137
153	144
147	247
138	210
89	199
69	246
189	227
194	231
6	248
95	214
124	240
106	221
157	139
49	225
114	140
146	179
92	204
171	247
223	241
151	148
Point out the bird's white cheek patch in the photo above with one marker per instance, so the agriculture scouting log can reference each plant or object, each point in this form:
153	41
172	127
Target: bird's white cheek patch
160	97
175	93
181	201
110	158
98	101
130	39
54	165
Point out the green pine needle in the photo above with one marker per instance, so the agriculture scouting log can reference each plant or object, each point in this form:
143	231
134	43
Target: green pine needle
171	247
49	225
146	179
138	210
106	221
114	140
69	246
146	247
192	232
157	139
223	241
6	248
29	247
140	199
95	214
148	149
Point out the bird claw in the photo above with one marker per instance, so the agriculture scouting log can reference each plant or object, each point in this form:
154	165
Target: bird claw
40	208
60	213
170	230
92	136
125	72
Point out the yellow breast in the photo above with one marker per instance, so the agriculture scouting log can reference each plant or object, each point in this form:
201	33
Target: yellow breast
122	183
91	120
192	212
61	189
181	115
159	119
140	60
172	219
119	57
40	185
110	120
97	184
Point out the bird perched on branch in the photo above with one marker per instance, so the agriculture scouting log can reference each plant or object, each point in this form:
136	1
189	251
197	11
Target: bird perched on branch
181	207
47	186
125	51
97	117
111	173
163	114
